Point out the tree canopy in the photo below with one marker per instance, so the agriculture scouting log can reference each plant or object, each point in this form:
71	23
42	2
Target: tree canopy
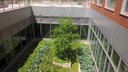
66	39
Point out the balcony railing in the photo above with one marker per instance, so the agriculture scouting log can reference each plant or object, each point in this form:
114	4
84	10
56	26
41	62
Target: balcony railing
6	5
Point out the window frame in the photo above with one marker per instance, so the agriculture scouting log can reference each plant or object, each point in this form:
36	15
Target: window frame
123	8
98	3
108	7
93	1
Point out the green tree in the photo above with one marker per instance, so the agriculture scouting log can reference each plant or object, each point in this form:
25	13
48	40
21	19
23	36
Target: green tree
66	40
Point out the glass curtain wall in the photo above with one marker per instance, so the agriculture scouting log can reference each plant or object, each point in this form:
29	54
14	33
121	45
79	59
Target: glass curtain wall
3	62
11	47
17	43
106	57
8	47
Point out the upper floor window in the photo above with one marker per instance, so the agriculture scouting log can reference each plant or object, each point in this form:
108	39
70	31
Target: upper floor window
99	2
93	1
124	9
110	4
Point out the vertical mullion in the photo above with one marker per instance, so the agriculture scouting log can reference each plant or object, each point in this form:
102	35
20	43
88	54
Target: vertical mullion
108	67
12	42
101	54
3	48
40	26
119	65
50	18
89	34
33	30
105	64
3	4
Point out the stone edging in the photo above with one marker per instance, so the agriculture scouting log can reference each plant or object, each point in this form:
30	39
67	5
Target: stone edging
64	65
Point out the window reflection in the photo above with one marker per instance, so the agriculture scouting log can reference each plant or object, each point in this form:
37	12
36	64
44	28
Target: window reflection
29	33
23	38
37	30
8	47
115	58
46	30
2	57
126	9
111	3
123	67
17	43
106	65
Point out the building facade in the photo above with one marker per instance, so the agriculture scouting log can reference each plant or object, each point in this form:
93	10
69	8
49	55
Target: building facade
103	24
108	32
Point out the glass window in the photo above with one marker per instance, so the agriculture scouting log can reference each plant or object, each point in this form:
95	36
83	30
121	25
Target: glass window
115	58
91	39
93	1
2	57
111	69
16	43
101	38
99	2
8	47
29	33
105	44
90	35
23	37
111	3
46	30
110	50
123	67
94	44
126	9
99	54
99	34
96	49
37	30
84	31
94	28
102	61
96	31
106	65
78	29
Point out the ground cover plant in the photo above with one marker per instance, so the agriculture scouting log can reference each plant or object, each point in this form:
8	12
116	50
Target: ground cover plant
85	59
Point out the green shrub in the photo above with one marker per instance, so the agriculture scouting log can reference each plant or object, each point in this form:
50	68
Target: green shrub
66	40
38	55
85	59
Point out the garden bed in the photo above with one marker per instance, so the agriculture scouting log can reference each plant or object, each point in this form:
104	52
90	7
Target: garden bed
43	56
63	49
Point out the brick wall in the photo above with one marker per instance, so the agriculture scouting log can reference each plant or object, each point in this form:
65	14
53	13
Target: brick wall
113	15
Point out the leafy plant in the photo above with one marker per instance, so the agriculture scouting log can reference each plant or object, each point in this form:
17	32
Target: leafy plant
66	40
36	57
85	59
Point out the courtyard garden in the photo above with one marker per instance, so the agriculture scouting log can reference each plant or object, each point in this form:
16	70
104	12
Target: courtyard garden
62	52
